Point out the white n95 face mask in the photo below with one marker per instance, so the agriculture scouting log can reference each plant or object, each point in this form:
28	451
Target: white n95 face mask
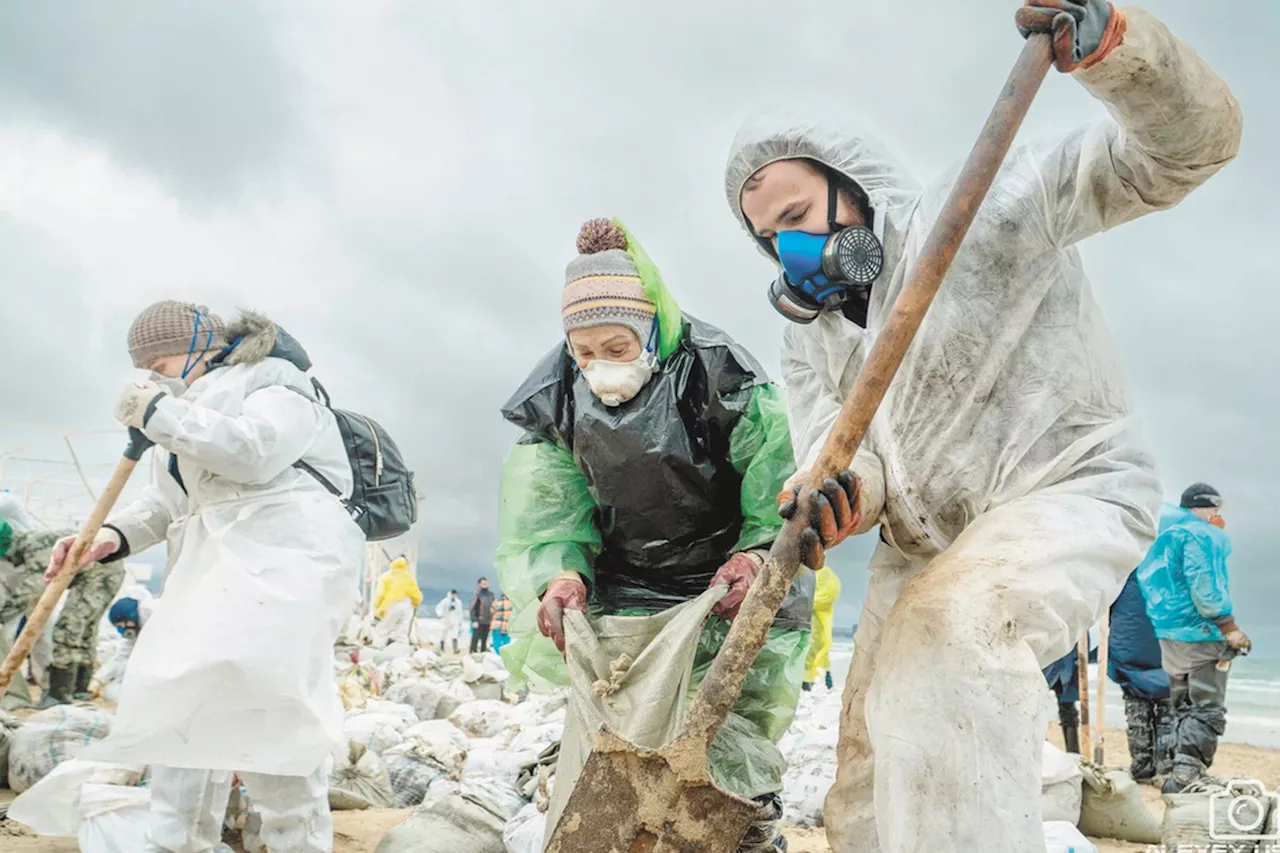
616	382
175	387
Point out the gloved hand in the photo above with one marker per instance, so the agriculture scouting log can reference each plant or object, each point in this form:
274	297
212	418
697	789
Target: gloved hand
833	514
106	543
565	592
1236	639
1084	31
131	409
739	572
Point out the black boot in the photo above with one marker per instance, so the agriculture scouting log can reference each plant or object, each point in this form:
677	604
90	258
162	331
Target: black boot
765	833
831	682
806	686
1071	739
84	674
1069	719
1139	716
1186	771
1163	712
61	682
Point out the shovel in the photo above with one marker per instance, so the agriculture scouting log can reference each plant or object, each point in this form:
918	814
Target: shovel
39	616
635	800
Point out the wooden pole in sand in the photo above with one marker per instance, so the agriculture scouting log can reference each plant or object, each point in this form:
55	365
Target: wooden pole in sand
1082	664
1100	739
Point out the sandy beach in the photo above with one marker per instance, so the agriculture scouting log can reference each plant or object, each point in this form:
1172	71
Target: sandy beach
359	832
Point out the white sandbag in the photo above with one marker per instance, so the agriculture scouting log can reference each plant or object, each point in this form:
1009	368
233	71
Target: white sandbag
537	737
482	718
416	764
52	805
458	818
424	658
51	737
379	732
524	833
404	714
1060	786
8	725
1199	821
395	651
430	700
114	819
630	673
1112	807
359	780
1061	836
434	731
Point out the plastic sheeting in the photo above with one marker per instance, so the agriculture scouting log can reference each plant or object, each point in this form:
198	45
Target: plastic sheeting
114	819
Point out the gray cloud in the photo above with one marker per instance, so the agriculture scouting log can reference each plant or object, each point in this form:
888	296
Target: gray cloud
400	185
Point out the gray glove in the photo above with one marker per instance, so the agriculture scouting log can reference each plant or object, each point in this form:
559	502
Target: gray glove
1080	29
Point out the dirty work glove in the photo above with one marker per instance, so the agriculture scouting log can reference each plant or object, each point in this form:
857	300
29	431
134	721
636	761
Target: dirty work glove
106	543
135	403
739	573
1235	638
1084	31
833	514
565	592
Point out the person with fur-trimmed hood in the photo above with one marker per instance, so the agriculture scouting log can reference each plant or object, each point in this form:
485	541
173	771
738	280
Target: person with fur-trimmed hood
234	674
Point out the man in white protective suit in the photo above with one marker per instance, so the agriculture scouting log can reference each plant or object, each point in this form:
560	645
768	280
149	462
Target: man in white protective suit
1004	471
235	673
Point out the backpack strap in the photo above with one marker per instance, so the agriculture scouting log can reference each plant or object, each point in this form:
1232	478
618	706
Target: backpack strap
321	478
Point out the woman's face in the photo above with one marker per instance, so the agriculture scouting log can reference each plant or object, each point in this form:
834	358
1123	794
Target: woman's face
792	195
172	366
606	343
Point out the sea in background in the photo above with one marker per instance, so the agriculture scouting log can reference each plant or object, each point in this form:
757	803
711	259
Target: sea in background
1253	696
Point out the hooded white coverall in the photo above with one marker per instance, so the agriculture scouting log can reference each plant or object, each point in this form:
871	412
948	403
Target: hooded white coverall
234	674
1004	469
451	612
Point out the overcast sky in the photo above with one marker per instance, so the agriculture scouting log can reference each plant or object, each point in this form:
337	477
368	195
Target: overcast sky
399	184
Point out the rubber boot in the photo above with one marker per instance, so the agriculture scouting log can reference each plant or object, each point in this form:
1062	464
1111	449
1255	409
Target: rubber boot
61	682
1187	770
1071	738
765	833
806	686
84	674
831	682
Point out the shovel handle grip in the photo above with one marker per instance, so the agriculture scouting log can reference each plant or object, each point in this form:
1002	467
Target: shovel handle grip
48	600
723	684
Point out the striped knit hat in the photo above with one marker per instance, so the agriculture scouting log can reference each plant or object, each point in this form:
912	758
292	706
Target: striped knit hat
602	285
170	328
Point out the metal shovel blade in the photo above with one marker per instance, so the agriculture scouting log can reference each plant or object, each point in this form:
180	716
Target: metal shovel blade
635	800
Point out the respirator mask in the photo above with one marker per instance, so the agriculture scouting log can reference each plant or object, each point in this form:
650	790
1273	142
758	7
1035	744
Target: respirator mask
821	272
616	382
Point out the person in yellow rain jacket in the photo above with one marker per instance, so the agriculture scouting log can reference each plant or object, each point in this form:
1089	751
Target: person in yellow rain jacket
824	605
395	601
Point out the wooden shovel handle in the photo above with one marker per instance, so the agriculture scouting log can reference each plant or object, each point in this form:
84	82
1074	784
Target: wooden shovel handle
39	616
723	683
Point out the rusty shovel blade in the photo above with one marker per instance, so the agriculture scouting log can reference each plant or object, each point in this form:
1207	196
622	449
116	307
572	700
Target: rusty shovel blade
634	800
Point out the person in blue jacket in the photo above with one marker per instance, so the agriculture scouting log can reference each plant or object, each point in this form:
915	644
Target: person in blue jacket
1133	662
1184	582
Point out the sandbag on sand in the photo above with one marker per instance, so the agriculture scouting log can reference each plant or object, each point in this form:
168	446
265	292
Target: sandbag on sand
1196	821
359	780
1061	781
51	737
1112	807
466	817
430	700
417	764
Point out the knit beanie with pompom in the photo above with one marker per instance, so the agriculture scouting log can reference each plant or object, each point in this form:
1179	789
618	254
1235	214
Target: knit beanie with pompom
174	328
602	285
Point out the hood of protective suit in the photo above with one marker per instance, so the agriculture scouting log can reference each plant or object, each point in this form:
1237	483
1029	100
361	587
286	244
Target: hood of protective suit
833	140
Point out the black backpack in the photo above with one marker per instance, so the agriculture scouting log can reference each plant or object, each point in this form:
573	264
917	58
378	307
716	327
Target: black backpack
383	502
